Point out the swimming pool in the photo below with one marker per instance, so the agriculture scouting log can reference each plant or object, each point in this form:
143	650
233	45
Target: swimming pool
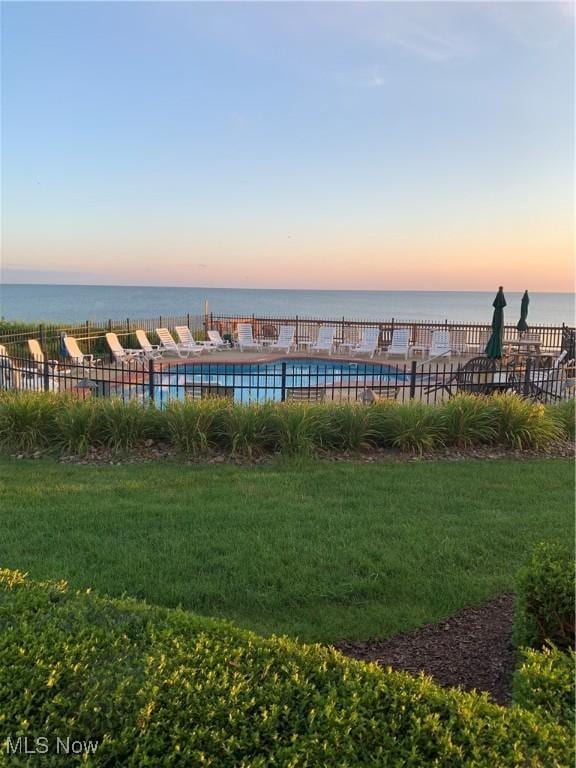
260	382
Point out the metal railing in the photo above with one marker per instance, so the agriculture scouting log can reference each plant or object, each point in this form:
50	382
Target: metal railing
285	379
473	336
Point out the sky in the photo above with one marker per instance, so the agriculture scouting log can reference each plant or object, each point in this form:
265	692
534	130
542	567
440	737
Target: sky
391	145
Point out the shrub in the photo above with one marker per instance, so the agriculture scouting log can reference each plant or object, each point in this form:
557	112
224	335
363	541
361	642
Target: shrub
544	681
467	420
524	424
164	688
545	600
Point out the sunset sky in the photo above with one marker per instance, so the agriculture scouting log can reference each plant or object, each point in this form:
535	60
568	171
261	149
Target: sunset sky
321	145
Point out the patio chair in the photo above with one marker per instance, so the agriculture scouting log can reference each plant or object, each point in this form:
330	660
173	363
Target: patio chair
167	344
187	340
441	345
400	342
305	395
285	340
37	355
423	341
552	383
122	355
368	344
246	338
478	376
218	342
325	340
17	375
151	351
75	353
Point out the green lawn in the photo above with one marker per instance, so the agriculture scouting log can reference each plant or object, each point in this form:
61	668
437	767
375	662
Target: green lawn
321	551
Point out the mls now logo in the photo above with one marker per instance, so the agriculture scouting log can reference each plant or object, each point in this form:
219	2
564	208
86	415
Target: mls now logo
41	745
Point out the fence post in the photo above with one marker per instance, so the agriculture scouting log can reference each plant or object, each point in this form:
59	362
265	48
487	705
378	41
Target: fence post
297	332
283	383
109	325
46	373
151	379
413	380
527	372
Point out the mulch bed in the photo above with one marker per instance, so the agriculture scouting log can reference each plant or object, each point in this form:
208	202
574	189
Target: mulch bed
472	649
152	451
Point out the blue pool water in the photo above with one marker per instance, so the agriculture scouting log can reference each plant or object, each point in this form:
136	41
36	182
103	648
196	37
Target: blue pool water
268	381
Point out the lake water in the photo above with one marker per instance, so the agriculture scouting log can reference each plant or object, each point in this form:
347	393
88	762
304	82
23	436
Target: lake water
72	303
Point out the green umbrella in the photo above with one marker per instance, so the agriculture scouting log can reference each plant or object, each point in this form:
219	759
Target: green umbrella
494	346
522	324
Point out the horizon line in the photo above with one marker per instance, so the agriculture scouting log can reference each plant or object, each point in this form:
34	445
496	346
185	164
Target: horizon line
295	290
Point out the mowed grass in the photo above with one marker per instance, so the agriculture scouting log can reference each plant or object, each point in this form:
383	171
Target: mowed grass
316	550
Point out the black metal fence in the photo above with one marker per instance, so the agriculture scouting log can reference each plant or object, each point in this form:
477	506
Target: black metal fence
288	378
472	337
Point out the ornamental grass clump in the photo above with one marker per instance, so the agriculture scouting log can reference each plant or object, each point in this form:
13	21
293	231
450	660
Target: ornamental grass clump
120	425
195	426
348	427
302	429
411	427
27	419
77	427
467	420
248	430
522	423
565	414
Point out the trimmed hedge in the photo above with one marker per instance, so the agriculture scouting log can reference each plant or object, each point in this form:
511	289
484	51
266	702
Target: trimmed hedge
31	421
160	687
545	605
544	681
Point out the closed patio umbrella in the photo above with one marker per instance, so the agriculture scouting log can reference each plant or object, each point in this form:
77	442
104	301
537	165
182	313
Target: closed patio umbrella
522	324
494	346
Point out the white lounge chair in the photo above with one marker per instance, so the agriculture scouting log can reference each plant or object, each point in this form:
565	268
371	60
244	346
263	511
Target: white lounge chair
189	342
54	367
480	345
285	340
441	345
16	374
168	344
459	341
325	340
75	353
37	355
151	351
423	341
122	355
368	344
400	342
246	338
217	341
